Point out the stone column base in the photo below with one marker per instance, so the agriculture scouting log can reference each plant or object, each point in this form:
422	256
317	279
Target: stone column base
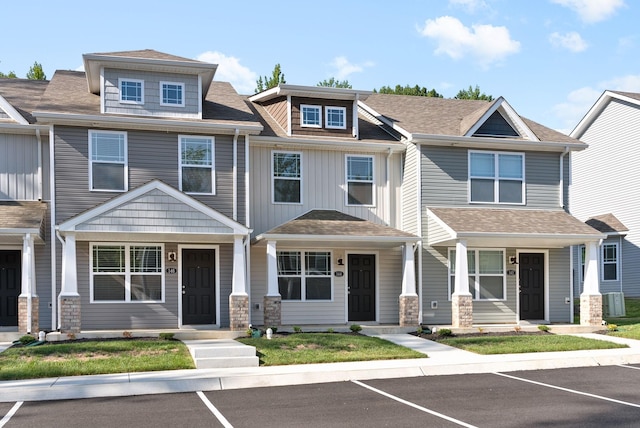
409	311
70	321
23	326
239	312
461	311
591	309
272	311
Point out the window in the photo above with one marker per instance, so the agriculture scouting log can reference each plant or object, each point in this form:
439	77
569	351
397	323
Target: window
610	262
131	91
172	94
583	252
486	274
335	117
496	177
360	180
196	164
127	273
304	275
108	160
287	178
310	116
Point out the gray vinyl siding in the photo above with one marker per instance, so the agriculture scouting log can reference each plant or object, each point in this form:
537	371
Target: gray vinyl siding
389	287
152	95
559	285
435	286
19	168
411	190
445	178
42	255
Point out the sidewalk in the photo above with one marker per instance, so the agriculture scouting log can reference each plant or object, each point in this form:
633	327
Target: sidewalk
443	360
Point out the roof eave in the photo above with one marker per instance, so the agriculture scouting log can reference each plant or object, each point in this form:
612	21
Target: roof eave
325	238
501	143
395	147
312	92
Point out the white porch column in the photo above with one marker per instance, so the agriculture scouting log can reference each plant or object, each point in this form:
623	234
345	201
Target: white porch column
239	284
69	270
272	270
28	302
591	299
409	272
461	300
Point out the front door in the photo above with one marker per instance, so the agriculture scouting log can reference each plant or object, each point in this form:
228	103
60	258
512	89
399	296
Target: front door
362	287
198	286
10	279
531	286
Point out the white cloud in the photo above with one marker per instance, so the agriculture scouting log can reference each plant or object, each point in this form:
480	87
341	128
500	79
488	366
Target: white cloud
486	44
571	41
230	70
344	68
470	6
591	11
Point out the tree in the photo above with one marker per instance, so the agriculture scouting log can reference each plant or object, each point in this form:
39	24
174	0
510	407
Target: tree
36	72
10	75
333	83
270	82
473	94
417	90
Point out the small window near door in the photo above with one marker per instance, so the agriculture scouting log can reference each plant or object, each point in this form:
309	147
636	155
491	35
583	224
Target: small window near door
304	275
487	279
610	262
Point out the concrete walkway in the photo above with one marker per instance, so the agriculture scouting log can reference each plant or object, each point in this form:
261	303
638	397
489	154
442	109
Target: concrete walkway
443	360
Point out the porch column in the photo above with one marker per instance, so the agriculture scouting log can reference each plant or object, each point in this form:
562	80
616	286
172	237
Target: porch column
239	298
461	300
69	299
28	302
273	299
591	299
409	308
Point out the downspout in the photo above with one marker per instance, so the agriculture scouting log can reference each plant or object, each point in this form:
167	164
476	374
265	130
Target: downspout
571	279
620	258
564	153
53	232
388	186
235	175
247	221
58	315
39	138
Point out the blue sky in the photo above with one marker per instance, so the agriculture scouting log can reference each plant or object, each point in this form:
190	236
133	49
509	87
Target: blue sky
550	59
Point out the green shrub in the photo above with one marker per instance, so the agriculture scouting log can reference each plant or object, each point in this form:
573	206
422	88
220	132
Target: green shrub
612	327
166	336
445	332
544	328
274	330
330	330
355	328
419	330
297	329
27	339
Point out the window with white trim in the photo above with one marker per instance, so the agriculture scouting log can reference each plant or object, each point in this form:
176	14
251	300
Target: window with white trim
310	116
127	273
305	275
197	172
108	161
131	91
609	262
487	280
287	177
496	177
360	184
335	117
172	94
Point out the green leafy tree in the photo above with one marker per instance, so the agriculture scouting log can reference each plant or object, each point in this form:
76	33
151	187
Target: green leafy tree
473	94
333	83
417	90
262	84
10	75
36	72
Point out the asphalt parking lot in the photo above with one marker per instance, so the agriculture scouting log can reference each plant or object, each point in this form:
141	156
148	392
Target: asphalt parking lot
577	397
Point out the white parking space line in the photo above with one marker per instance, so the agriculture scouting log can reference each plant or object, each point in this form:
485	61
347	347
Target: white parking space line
213	410
573	391
10	413
415	406
628	367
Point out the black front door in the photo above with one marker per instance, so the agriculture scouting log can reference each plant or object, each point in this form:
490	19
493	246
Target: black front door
10	278
198	286
531	286
362	287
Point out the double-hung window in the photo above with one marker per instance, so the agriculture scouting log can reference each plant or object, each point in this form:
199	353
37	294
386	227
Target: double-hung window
360	184
335	117
197	172
287	177
610	262
487	279
304	275
131	91
310	116
496	177
108	160
172	94
127	273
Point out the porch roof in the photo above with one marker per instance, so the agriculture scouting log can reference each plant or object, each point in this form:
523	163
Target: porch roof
608	224
18	218
331	227
507	228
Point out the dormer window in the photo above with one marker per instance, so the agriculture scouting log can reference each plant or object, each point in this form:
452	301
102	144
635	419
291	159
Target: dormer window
131	91
310	116
172	94
335	117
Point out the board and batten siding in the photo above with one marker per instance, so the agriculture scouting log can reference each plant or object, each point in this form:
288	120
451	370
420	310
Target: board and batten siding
152	94
19	179
445	178
605	180
323	187
411	190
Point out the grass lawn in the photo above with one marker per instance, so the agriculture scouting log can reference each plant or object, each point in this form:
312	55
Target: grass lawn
629	325
88	357
310	348
526	343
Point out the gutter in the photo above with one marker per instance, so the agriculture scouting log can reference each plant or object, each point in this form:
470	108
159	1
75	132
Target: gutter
234	174
562	156
53	232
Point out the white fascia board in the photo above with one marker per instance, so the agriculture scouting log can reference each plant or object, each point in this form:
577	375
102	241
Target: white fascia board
511	113
14	128
596	109
342	238
311	91
550	236
496	143
12	112
408	135
357	145
144	123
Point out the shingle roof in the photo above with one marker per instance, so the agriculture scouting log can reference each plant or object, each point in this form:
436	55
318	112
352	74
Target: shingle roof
607	223
634	95
147	54
21	215
23	94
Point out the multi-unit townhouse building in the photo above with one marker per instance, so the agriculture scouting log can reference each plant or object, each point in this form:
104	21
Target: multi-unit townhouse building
170	201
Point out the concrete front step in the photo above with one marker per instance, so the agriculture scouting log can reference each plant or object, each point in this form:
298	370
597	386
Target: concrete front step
222	353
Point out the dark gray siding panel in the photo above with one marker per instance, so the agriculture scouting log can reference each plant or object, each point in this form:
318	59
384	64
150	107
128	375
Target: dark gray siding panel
43	274
559	285
226	279
542	173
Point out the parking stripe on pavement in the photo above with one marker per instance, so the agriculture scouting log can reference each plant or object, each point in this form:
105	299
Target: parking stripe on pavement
10	413
628	367
213	410
415	406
